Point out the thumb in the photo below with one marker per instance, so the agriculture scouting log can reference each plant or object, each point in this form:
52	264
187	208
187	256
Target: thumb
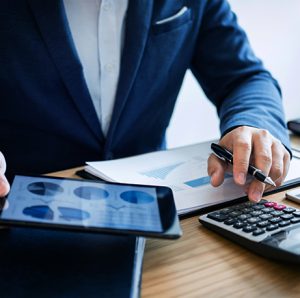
216	170
4	185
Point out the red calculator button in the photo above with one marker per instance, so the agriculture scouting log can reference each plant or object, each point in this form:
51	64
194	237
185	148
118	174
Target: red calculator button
279	207
270	204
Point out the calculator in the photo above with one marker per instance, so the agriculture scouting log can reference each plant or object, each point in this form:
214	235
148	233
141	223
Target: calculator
268	228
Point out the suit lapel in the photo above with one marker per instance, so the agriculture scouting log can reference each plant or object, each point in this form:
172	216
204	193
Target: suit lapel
138	22
52	23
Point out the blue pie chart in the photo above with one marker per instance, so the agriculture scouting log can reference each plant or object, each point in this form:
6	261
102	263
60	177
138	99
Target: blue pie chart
39	211
45	188
91	193
136	197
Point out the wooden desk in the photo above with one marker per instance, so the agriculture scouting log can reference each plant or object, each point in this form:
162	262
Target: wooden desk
204	263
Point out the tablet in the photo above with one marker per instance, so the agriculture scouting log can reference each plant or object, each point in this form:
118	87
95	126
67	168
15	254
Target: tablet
92	206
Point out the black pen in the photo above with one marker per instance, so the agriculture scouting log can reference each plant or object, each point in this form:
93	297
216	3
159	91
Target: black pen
227	156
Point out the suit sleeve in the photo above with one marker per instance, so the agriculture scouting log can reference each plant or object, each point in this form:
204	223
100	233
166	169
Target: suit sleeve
233	78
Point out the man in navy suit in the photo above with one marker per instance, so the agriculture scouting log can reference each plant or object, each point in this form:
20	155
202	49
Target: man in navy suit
89	81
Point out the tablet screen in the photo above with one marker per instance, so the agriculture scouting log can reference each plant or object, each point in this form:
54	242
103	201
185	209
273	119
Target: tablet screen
82	203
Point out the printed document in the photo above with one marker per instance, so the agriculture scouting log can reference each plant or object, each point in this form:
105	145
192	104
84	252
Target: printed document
183	169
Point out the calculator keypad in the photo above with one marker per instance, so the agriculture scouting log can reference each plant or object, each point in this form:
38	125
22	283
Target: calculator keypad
256	218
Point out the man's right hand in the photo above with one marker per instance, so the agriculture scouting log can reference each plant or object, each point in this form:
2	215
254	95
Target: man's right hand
4	185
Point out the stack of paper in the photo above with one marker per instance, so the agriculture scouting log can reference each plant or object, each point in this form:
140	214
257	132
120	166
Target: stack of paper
184	169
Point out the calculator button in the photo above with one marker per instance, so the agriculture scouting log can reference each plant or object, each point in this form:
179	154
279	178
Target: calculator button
262	202
247	210
263	224
230	221
275	220
243	216
249	228
225	210
270	204
242	205
295	220
217	216
277	213
287	216
249	204
289	210
272	227
239	225
235	213
256	213
253	220
297	214
258	232
236	208
258	207
265	216
267	210
279	207
284	223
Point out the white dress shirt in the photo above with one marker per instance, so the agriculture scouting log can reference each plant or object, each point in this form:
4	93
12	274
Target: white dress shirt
98	28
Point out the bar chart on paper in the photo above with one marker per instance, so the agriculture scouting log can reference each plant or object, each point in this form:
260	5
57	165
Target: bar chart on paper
183	169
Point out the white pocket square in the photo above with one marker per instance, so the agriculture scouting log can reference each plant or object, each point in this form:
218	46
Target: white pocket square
175	16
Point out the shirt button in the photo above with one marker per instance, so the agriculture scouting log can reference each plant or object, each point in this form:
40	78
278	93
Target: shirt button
109	67
106	5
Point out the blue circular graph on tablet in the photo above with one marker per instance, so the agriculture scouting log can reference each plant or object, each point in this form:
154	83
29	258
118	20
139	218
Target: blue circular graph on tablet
137	197
39	211
69	214
91	193
45	188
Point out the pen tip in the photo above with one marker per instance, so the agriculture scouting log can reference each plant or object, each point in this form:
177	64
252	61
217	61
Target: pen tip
270	181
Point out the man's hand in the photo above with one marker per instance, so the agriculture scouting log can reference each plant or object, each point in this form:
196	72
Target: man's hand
4	185
255	146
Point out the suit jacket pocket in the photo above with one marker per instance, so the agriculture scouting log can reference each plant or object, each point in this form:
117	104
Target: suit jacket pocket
183	16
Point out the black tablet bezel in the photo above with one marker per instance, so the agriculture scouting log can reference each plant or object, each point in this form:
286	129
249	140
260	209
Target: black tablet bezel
167	211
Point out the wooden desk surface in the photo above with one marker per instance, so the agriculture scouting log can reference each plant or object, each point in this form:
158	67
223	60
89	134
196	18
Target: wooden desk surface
204	263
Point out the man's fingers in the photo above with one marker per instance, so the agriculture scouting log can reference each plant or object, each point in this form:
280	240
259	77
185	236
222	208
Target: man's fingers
242	151
262	149
2	164
280	163
286	166
279	168
4	185
216	170
255	190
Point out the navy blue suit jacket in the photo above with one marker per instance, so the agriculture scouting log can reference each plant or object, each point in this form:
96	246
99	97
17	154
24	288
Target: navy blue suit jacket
47	119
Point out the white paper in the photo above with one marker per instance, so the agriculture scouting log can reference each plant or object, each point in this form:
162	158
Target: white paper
184	169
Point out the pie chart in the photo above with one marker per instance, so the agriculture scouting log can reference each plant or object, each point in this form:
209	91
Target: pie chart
39	211
45	188
91	193
136	197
